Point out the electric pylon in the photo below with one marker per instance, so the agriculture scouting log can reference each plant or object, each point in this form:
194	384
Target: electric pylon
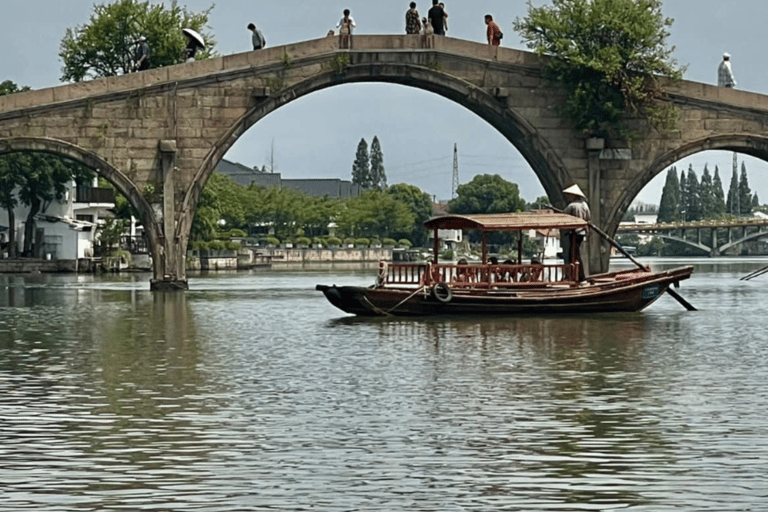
455	171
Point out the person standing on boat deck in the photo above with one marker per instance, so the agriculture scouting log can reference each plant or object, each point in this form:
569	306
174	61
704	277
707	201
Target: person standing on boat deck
436	17
578	207
412	20
257	38
725	73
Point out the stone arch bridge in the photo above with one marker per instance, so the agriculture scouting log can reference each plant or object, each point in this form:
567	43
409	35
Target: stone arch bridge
157	135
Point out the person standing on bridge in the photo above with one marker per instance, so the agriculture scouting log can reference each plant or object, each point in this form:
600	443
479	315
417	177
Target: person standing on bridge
725	73
493	32
445	18
412	20
436	17
345	27
572	240
141	55
346	24
257	37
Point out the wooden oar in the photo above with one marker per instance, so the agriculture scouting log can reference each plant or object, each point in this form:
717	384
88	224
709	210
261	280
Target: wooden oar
687	305
754	274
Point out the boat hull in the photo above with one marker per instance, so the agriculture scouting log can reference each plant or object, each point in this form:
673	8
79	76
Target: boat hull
622	291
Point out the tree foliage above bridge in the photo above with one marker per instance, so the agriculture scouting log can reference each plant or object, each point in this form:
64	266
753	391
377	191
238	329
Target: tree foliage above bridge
105	45
611	55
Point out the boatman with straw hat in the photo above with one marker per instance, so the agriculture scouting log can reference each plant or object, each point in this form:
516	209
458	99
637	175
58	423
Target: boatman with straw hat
578	207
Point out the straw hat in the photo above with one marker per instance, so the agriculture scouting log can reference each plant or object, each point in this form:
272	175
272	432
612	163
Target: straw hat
574	190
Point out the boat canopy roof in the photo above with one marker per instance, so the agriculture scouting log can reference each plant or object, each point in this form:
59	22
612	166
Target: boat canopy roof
536	219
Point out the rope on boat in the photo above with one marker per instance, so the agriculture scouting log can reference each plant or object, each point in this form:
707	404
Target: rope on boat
389	311
406	299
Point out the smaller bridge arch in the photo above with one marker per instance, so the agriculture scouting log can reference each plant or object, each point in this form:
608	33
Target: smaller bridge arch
103	168
748	144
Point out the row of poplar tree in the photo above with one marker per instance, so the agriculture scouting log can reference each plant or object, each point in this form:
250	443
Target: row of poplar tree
687	199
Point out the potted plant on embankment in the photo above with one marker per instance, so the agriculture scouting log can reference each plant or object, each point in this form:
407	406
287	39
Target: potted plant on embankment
302	242
272	242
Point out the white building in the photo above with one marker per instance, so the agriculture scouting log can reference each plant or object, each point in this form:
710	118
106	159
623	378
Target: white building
67	227
448	238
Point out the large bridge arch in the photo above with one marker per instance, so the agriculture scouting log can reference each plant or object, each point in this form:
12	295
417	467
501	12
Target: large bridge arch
103	168
536	150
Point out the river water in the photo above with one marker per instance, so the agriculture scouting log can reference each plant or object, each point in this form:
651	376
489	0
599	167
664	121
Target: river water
251	392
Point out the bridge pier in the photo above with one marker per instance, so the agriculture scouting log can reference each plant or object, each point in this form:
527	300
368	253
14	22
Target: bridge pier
169	249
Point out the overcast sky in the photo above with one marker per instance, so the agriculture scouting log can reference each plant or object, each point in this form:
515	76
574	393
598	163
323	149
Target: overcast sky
316	136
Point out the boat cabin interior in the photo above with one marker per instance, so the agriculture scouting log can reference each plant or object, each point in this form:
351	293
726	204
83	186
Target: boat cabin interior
489	274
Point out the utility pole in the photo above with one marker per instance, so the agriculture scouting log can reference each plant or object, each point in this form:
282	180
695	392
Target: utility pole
455	171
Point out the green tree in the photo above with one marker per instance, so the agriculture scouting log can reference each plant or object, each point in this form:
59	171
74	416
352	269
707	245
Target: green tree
105	45
745	194
487	194
420	205
9	180
42	177
207	216
732	203
718	205
378	176
361	168
611	55
693	196
10	87
10	176
230	202
111	232
317	213
683	196
374	214
669	205
706	195
540	203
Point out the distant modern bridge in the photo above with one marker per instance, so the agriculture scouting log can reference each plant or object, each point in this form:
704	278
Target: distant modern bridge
738	231
157	135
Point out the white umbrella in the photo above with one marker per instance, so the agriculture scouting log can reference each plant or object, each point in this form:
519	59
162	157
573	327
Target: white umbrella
194	36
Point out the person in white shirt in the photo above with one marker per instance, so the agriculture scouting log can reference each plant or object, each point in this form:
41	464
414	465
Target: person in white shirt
725	73
346	24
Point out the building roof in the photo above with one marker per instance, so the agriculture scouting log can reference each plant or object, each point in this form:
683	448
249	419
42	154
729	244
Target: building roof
538	220
316	187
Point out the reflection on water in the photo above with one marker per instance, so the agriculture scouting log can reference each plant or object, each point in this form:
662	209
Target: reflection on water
252	392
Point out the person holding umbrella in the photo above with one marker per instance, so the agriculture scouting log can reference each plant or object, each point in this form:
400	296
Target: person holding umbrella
194	42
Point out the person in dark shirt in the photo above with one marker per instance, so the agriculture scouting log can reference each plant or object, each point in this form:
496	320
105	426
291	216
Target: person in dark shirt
436	17
141	55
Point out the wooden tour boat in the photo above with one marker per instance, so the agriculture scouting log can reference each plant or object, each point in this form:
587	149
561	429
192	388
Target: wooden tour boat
436	288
